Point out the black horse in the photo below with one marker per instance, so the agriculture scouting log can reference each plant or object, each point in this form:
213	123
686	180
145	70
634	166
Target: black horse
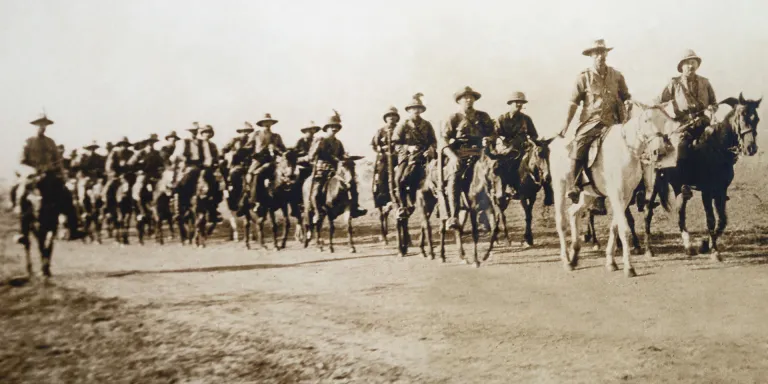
714	154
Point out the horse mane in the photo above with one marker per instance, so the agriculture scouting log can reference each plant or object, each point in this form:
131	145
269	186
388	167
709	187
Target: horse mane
720	135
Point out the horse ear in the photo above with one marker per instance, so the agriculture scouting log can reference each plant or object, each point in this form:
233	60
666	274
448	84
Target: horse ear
546	142
757	103
741	98
731	101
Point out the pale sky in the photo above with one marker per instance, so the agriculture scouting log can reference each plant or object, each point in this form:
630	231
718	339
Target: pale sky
106	69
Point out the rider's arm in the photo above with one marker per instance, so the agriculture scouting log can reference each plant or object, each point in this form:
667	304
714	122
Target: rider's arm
531	129
578	96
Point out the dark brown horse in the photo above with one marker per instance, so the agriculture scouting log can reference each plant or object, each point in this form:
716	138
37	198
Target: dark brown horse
203	204
120	206
280	195
162	206
40	209
336	201
715	155
533	174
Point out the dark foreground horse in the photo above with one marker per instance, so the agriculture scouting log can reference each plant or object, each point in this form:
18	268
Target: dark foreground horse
335	201
40	210
120	207
534	176
280	195
203	204
163	207
715	155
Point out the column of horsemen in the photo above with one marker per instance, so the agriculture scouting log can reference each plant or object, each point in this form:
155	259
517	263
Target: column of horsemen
404	149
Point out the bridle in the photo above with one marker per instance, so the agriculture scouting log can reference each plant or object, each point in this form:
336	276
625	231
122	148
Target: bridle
645	138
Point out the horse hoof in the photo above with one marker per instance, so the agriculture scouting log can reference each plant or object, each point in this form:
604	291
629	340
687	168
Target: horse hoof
716	257
630	272
575	261
432	256
690	251
477	264
525	245
611	267
443	260
568	267
596	247
464	261
648	253
423	254
637	251
704	246
352	250
402	254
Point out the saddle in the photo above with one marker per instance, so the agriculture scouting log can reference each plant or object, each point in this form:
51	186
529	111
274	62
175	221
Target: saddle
585	177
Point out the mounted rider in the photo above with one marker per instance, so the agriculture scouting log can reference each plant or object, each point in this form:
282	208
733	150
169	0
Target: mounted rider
325	154
602	93
236	157
41	163
148	163
117	168
90	164
464	134
416	145
265	146
691	95
302	151
167	150
382	143
210	156
514	128
195	154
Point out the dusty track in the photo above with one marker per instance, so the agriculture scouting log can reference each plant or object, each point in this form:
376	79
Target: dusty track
374	317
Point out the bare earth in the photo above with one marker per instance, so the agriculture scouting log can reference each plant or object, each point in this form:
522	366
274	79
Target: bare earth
224	314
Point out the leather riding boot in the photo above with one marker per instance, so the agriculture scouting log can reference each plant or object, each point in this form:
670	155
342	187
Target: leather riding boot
454	198
355	210
575	191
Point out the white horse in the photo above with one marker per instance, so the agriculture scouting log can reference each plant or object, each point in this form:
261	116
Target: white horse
616	171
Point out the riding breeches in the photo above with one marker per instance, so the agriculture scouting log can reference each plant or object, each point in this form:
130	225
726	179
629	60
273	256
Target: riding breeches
586	133
381	183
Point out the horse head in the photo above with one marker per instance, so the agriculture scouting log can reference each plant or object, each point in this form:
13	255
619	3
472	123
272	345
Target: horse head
742	121
347	169
649	123
536	159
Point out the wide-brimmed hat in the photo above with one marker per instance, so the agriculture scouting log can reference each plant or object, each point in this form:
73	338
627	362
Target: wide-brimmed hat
688	54
311	127
466	91
124	142
416	103
93	145
153	138
597	45
195	127
43	120
172	135
333	121
247	128
391	111
516	97
208	128
267	117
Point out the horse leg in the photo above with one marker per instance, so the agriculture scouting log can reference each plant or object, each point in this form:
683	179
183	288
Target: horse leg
527	204
624	232
648	221
443	225
233	225
46	251
573	217
260	231
689	249
273	221
631	223
459	232
494	235
708	201
286	226
383	223
247	229
560	224
610	247
591	232
331	229
318	228
402	235
348	219
722	222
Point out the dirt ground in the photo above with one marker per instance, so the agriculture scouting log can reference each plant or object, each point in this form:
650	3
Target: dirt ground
223	314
